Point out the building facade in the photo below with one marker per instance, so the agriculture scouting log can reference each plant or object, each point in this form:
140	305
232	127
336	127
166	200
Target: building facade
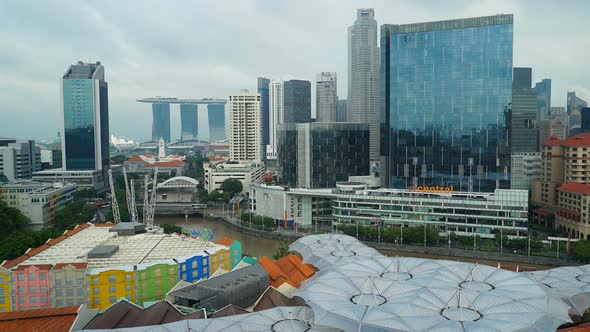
543	92
342	111
37	200
363	75
154	280
263	90
276	116
523	129
217	128
572	214
445	87
31	285
67	284
317	155
19	159
246	172
85	111
463	213
326	97
5	290
296	101
574	102
161	122
189	122
245	141
524	168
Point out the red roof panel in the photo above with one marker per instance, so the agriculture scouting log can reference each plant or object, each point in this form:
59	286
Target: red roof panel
575	187
49	320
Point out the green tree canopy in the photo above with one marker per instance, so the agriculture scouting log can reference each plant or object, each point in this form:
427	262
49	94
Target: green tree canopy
74	213
11	220
281	251
119	159
232	186
3	178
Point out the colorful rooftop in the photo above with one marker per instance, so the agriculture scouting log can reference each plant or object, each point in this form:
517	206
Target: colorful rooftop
289	269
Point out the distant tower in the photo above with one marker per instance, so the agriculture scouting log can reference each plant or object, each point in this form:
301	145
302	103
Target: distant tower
161	149
245	140
363	75
276	115
85	115
326	97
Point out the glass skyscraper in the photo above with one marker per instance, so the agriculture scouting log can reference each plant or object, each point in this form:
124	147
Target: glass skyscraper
161	122
296	101
216	116
445	88
189	121
85	142
264	108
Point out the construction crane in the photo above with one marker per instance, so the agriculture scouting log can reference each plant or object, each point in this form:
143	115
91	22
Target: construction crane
129	195
145	196
133	206
150	207
114	204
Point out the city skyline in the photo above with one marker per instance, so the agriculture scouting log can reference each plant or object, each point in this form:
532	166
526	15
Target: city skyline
165	59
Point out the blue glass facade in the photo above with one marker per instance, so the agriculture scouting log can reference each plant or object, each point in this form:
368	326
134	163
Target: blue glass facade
216	115
161	122
86	118
189	121
263	84
444	90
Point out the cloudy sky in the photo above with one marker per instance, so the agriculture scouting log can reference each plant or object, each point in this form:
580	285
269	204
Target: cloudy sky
195	49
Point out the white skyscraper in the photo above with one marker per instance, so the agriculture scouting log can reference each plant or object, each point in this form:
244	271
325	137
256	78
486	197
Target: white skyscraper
276	116
363	75
245	124
326	97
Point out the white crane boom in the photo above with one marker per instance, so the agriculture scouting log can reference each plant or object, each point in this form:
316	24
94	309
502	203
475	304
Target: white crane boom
133	206
114	204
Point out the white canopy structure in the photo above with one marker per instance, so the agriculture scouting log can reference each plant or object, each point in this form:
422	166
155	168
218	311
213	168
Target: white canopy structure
278	319
326	250
570	283
393	294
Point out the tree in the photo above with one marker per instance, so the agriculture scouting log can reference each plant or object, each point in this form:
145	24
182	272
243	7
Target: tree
11	220
74	213
281	251
3	178
582	251
170	229
120	159
85	193
232	186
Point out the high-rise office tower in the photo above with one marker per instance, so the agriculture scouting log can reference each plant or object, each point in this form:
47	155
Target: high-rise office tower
363	75
19	159
189	122
296	101
263	89
342	111
543	91
523	131
85	112
275	115
574	102
445	86
245	139
318	155
326	97
161	122
216	116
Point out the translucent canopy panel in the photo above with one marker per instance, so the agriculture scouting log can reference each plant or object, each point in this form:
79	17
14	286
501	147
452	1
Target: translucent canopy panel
279	319
571	283
382	303
326	250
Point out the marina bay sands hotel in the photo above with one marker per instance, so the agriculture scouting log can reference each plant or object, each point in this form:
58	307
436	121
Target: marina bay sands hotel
189	118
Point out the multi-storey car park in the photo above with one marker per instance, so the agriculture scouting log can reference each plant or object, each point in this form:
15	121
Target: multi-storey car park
99	264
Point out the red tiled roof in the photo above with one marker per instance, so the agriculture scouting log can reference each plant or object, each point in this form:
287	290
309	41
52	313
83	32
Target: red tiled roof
575	187
14	262
581	139
76	265
576	327
57	240
47	320
172	163
39	266
84	225
106	224
32	252
135	158
216	158
226	241
553	141
543	211
73	231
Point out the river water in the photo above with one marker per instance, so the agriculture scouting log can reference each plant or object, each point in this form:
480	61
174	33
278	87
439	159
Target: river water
258	247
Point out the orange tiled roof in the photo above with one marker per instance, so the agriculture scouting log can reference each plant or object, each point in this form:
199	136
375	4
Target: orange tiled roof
288	269
106	224
73	231
575	187
553	141
172	163
226	241
135	158
76	265
32	252
39	266
581	139
57	240
14	262
580	327
48	320
84	225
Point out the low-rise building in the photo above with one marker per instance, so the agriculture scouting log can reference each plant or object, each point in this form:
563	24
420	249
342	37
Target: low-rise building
524	168
572	212
37	200
172	164
19	159
247	172
95	179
